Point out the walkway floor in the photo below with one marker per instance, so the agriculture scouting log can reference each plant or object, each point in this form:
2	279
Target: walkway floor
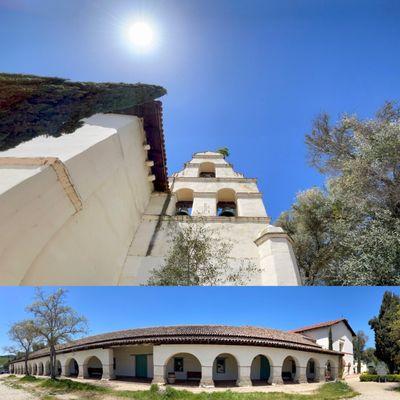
373	390
305	388
7	393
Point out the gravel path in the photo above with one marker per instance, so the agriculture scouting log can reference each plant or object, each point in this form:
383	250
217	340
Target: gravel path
373	390
7	393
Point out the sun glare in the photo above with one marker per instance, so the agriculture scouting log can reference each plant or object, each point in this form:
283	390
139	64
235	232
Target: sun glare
141	34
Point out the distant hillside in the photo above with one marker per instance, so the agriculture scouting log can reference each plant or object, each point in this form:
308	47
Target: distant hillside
4	359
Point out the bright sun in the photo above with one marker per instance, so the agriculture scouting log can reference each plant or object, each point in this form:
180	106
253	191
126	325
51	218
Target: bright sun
141	35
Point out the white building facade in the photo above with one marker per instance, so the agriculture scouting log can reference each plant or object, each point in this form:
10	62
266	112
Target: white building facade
210	192
196	355
342	339
94	207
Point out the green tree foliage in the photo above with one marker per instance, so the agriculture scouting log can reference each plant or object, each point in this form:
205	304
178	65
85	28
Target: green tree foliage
55	322
32	106
198	256
359	342
387	347
224	151
330	339
25	336
349	232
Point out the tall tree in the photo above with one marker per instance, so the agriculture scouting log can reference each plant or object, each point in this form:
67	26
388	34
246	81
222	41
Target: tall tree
224	151
55	322
349	234
359	342
387	348
32	106
330	339
24	335
199	257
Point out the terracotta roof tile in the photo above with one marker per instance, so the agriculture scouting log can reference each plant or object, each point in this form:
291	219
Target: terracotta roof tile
215	334
323	325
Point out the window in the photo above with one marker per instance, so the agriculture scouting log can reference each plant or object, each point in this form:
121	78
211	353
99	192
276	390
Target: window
114	364
207	174
341	344
184	208
178	364
220	365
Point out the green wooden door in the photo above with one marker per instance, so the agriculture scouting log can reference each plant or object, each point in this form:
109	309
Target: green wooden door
141	366
264	368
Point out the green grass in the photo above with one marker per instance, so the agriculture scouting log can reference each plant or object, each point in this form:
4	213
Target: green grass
329	391
29	378
66	385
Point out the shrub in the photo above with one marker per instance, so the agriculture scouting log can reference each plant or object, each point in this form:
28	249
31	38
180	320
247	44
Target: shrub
28	378
379	378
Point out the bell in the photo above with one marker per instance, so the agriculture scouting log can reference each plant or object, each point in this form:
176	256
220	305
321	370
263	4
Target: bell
227	212
182	211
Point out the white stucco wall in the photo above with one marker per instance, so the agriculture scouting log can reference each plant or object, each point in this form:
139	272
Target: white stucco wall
43	239
340	333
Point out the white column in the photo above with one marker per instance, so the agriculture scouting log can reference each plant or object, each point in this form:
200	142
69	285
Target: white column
158	376
108	365
204	204
277	259
244	375
207	376
276	375
302	375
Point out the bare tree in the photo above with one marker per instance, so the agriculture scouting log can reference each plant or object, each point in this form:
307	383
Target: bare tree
24	335
55	322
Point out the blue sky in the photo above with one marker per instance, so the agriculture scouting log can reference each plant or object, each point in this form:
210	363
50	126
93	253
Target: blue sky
109	309
249	75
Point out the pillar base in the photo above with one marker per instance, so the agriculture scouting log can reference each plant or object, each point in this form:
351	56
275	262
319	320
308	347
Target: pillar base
244	382
158	380
207	383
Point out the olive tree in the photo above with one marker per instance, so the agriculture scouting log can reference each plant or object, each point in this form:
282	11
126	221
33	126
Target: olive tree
24	335
199	256
55	322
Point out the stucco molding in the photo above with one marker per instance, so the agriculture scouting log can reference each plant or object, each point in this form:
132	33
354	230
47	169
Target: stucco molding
59	168
272	235
207	219
222	179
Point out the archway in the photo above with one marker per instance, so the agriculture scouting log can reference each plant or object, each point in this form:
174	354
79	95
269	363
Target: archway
312	370
226	203
11	369
71	368
184	202
225	370
329	371
289	370
93	368
34	369
47	368
58	368
183	368
207	170
260	372
40	368
30	369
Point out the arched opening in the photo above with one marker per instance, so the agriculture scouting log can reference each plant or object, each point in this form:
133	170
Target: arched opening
184	202
226	203
30	369
11	369
47	368
58	368
34	369
225	370
207	170
329	371
260	372
289	370
71	368
312	371
40	368
94	368
183	368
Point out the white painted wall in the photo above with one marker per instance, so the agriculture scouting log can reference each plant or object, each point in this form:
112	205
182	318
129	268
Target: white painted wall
43	240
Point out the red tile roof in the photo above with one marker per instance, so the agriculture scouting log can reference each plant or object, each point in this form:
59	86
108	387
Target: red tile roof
200	334
323	325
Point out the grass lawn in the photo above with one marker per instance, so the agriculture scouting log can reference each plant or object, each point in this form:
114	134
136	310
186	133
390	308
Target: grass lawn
47	389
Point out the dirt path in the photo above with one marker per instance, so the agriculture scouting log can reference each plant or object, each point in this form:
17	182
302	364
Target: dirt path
7	393
373	390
